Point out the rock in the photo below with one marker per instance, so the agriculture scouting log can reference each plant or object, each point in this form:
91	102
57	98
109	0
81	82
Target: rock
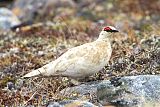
81	90
85	91
19	83
7	19
27	10
71	103
10	85
141	91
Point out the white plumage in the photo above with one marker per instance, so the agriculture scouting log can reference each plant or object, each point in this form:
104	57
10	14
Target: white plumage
80	61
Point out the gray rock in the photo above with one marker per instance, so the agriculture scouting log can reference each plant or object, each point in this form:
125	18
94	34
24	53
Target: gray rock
142	91
19	83
10	85
71	103
130	91
82	90
7	19
29	9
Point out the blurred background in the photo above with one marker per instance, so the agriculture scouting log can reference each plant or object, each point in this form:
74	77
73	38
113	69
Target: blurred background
139	14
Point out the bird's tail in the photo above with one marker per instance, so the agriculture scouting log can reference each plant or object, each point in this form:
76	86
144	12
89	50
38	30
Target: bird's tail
33	73
46	70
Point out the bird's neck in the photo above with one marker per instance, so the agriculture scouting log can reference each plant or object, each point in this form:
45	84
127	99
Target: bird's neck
104	36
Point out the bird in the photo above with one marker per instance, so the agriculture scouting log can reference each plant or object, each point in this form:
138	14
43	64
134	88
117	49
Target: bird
81	61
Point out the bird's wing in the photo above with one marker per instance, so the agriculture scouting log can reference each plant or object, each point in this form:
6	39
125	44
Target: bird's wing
79	51
88	50
90	53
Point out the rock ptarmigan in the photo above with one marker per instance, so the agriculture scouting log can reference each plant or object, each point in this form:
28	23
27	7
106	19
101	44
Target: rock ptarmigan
81	61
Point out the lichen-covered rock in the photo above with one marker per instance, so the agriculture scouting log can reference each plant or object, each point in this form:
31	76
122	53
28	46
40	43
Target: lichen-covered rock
81	90
71	103
143	91
130	91
8	19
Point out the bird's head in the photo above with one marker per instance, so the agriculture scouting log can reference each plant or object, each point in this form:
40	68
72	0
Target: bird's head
107	32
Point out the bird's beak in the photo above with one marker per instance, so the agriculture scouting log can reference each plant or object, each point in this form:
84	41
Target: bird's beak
115	31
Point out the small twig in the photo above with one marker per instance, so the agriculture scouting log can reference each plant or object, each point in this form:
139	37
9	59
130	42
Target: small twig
30	98
37	86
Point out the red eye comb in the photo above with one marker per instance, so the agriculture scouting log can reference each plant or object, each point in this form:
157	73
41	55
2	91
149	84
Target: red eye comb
107	28
110	29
